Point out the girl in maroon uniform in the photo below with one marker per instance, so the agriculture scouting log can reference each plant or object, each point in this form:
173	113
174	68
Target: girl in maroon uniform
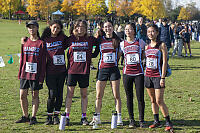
108	70
133	50
56	44
31	72
79	60
156	64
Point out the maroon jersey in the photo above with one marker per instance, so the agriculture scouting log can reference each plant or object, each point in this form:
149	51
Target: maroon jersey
79	54
132	57
153	61
56	47
32	61
108	55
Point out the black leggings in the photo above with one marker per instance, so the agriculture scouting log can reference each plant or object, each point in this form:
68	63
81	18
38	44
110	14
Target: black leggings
55	84
139	85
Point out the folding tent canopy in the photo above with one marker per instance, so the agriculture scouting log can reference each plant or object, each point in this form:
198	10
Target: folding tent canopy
57	13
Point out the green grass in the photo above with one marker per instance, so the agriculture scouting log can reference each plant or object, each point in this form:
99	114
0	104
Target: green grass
182	86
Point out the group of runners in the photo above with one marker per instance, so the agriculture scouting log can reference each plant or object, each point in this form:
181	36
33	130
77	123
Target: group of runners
44	58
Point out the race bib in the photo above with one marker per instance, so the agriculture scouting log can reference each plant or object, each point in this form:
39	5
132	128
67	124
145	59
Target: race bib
58	60
79	56
151	63
31	67
132	59
109	57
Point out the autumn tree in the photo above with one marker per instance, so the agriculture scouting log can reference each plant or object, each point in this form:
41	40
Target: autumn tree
41	7
136	7
123	8
96	7
9	6
81	7
184	14
153	9
111	6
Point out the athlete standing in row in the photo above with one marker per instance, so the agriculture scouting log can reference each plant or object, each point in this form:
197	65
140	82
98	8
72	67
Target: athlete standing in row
31	71
133	50
55	41
108	70
156	65
79	60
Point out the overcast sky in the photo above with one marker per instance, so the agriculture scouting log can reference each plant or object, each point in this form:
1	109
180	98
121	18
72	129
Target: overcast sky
182	2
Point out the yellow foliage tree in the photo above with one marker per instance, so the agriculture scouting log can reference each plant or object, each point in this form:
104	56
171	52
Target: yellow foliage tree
96	7
67	6
9	6
81	7
136	7
184	14
111	6
153	9
123	7
41	7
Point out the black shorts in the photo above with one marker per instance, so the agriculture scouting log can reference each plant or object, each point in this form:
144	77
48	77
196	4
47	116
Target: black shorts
55	81
111	74
82	79
152	82
33	84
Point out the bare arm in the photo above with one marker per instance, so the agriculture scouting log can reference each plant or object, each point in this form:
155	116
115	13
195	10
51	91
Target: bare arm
163	49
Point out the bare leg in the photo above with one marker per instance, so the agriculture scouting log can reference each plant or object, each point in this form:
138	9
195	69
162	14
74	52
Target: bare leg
35	102
70	94
159	93
151	93
84	100
100	86
24	101
116	93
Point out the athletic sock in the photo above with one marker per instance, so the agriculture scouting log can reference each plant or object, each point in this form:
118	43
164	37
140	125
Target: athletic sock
83	115
167	118
67	115
156	117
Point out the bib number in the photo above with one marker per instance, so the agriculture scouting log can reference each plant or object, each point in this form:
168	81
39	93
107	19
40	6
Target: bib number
31	67
132	59
79	56
58	60
109	57
152	63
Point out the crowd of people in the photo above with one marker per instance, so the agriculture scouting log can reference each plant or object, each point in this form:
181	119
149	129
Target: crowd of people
144	51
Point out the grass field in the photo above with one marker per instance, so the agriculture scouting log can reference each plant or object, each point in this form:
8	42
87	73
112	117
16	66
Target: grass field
182	94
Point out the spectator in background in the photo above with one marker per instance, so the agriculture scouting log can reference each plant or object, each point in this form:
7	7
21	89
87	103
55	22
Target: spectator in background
141	30
178	40
186	40
166	34
120	34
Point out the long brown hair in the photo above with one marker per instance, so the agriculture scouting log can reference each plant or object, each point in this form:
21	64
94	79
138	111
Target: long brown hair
77	23
115	38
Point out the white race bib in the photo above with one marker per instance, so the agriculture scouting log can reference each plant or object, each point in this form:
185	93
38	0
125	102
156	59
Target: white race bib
109	57
132	59
31	67
58	60
152	63
79	56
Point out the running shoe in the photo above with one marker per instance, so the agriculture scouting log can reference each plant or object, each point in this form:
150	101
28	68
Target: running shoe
132	123
33	120
119	120
49	120
96	120
142	124
168	126
84	121
56	120
67	121
155	124
23	119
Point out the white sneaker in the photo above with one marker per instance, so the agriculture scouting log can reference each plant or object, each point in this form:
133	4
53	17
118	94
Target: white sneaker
119	120
96	120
